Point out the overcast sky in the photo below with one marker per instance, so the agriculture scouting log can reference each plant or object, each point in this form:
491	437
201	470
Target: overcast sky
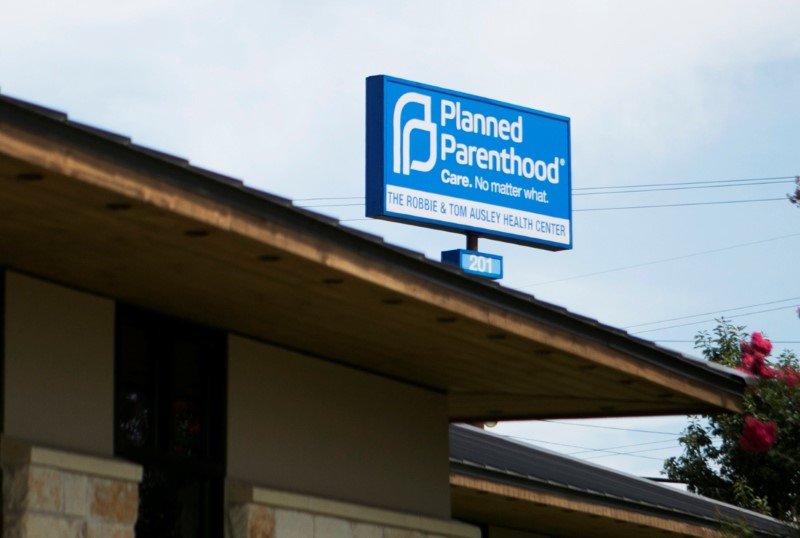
669	92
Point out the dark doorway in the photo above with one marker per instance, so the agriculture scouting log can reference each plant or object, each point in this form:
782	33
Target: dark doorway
170	378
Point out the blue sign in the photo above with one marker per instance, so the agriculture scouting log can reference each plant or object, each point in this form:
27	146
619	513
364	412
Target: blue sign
476	263
458	162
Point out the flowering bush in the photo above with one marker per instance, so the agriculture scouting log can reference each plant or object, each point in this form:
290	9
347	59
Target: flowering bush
758	450
757	436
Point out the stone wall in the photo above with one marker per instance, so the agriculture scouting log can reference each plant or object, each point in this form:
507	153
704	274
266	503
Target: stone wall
254	512
56	494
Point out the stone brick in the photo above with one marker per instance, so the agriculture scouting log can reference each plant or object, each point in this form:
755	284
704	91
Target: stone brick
238	521
401	533
15	489
114	501
330	527
251	521
76	494
11	527
36	525
109	530
366	530
293	524
261	522
45	489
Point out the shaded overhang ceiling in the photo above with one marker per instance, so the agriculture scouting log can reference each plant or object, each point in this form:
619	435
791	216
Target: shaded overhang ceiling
88	209
552	514
557	510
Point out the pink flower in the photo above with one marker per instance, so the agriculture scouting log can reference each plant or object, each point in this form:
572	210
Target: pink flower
756	364
754	355
762	370
790	376
760	344
757	436
748	360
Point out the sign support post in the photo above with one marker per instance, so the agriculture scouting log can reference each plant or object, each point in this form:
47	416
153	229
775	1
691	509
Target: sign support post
472	241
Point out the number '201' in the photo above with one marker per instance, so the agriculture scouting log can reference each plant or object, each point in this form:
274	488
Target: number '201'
480	264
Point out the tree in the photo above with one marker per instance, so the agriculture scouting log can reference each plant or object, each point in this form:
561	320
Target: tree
751	459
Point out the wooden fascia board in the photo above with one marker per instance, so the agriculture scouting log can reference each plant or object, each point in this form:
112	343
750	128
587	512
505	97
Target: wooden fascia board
92	170
565	502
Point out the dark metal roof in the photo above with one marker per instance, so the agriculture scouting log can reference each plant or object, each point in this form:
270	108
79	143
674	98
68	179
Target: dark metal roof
481	454
177	171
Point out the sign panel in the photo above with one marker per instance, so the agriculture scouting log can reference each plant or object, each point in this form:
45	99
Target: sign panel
458	162
476	263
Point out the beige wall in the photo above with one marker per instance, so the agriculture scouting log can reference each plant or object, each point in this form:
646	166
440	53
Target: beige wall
59	366
306	425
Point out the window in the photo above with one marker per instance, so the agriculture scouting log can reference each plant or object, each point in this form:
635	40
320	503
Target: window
170	418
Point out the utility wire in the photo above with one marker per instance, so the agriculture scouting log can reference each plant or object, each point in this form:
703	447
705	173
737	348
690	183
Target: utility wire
685	204
589	450
607	427
676	186
331	205
618	208
612	453
712	319
710	313
626	446
644	185
680	188
328	198
634	453
662	260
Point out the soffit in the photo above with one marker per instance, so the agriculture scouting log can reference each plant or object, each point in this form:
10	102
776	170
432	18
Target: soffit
109	223
563	517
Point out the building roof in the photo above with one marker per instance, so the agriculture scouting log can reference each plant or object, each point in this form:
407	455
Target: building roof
92	210
563	496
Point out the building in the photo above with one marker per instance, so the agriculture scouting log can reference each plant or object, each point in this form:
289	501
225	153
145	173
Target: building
516	491
188	356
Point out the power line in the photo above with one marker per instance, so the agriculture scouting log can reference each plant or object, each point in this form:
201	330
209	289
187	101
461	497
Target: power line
331	205
635	430
618	208
663	260
644	185
681	188
710	313
612	453
625	446
712	319
667	187
685	204
328	198
634	453
675	186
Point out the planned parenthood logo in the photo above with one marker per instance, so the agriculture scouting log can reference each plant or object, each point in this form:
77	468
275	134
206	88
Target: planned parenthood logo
448	160
402	140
